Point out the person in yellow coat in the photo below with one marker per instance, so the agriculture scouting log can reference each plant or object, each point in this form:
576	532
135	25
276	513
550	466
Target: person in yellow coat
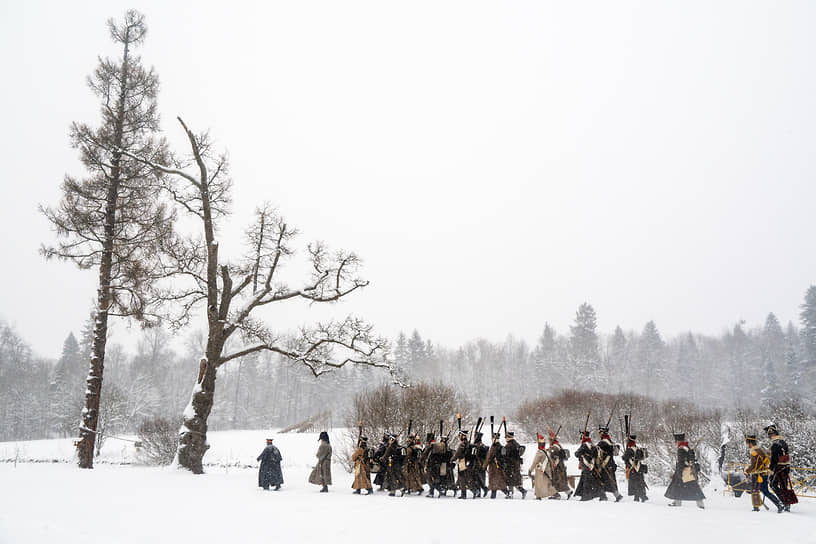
758	471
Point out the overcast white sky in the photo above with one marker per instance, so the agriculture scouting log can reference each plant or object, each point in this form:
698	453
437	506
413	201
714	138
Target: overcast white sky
494	163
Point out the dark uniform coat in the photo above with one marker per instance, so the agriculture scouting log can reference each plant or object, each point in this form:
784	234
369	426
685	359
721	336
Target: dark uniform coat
321	473
512	463
635	471
558	456
496	479
460	458
605	465
589	486
269	472
684	485
437	466
393	460
478	469
412	469
379	479
780	471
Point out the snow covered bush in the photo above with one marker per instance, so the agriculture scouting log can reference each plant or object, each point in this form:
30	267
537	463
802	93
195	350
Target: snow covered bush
159	439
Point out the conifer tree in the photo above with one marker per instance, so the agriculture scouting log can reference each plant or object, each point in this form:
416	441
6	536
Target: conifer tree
111	220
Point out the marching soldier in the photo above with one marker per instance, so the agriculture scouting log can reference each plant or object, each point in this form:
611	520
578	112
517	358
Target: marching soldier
494	464
362	468
683	485
758	470
541	471
437	467
477	470
635	470
558	458
412	472
393	466
605	464
589	486
460	457
512	467
379	479
780	468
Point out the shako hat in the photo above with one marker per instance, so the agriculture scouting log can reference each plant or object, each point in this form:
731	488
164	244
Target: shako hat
679	437
269	440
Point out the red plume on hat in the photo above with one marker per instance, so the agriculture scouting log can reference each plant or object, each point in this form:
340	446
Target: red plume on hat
540	437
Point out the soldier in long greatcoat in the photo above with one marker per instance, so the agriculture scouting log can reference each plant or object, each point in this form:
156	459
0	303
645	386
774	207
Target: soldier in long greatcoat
269	473
379	479
393	460
684	485
362	468
558	459
412	469
437	467
513	453
477	472
460	458
589	486
321	473
633	459
494	464
541	471
605	464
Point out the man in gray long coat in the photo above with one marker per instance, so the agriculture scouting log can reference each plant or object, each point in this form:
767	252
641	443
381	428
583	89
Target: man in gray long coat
269	473
321	473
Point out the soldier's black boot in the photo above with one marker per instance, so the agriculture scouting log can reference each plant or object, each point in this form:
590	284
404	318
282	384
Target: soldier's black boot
523	493
356	491
430	493
370	491
493	494
477	494
463	494
325	489
277	487
618	497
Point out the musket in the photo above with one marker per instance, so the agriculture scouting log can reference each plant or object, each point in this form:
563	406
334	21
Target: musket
359	432
475	429
586	423
491	429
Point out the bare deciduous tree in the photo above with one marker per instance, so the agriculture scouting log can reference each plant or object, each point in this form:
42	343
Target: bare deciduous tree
111	220
232	293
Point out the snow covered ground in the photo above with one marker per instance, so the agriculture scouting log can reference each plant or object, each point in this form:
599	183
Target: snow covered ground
57	502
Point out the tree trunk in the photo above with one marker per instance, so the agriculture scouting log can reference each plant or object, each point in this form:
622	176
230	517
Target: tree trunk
193	434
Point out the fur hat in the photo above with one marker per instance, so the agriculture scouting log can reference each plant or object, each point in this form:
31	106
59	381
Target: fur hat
632	437
540	438
323	436
585	437
771	429
509	434
429	437
679	437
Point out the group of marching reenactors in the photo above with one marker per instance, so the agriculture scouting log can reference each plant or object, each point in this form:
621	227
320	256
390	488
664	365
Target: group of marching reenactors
469	465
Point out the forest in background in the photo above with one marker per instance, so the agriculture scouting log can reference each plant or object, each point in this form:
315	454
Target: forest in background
745	367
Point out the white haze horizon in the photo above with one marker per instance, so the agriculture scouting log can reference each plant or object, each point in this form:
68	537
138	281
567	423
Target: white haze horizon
494	165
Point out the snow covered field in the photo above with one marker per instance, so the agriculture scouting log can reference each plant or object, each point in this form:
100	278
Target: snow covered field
56	502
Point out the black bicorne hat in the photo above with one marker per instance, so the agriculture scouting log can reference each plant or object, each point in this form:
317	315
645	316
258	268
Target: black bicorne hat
603	429
632	437
363	439
679	437
751	437
323	436
771	429
510	434
429	437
